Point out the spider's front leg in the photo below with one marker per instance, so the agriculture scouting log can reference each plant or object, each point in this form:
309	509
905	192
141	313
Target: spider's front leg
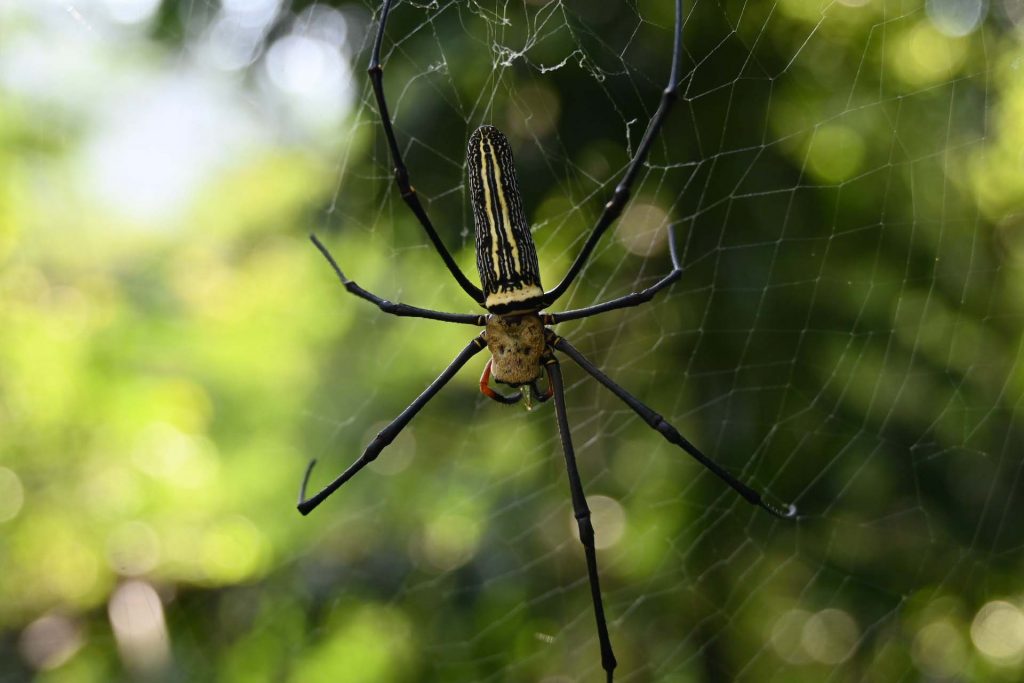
376	71
619	198
634	299
401	310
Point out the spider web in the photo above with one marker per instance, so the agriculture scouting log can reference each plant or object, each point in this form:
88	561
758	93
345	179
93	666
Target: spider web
841	338
843	182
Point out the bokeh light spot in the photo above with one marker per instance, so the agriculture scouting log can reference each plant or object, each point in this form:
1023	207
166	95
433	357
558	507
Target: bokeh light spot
233	550
230	45
787	636
537	111
50	641
12	494
923	55
312	73
162	143
177	458
830	636
956	18
1013	10
805	10
255	13
643	228
449	541
609	520
298	64
998	631
835	153
131	11
939	650
371	644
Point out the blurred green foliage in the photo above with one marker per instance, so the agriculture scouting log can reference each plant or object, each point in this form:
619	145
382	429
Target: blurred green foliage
846	186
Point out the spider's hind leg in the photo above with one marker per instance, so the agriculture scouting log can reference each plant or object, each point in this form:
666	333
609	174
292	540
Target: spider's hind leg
388	434
582	514
672	435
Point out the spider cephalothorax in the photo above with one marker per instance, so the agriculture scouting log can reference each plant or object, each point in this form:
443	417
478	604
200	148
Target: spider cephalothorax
520	349
517	346
522	346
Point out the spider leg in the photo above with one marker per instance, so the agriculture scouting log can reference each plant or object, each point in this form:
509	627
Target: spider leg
582	513
634	299
658	423
618	201
388	434
407	191
391	307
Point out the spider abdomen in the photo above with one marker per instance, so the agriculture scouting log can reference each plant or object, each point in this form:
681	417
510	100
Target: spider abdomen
517	345
505	254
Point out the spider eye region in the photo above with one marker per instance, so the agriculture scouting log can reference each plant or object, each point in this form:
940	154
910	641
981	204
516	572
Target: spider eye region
517	346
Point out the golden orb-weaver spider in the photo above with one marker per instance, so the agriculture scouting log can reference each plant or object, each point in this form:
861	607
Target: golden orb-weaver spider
516	332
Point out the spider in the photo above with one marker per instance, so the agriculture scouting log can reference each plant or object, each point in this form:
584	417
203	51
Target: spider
516	331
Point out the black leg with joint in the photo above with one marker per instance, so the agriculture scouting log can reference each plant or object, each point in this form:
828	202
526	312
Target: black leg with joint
388	434
658	423
634	299
376	72
582	514
614	207
401	310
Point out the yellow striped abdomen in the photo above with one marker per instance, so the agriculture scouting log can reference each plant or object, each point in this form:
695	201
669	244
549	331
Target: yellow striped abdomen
505	254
